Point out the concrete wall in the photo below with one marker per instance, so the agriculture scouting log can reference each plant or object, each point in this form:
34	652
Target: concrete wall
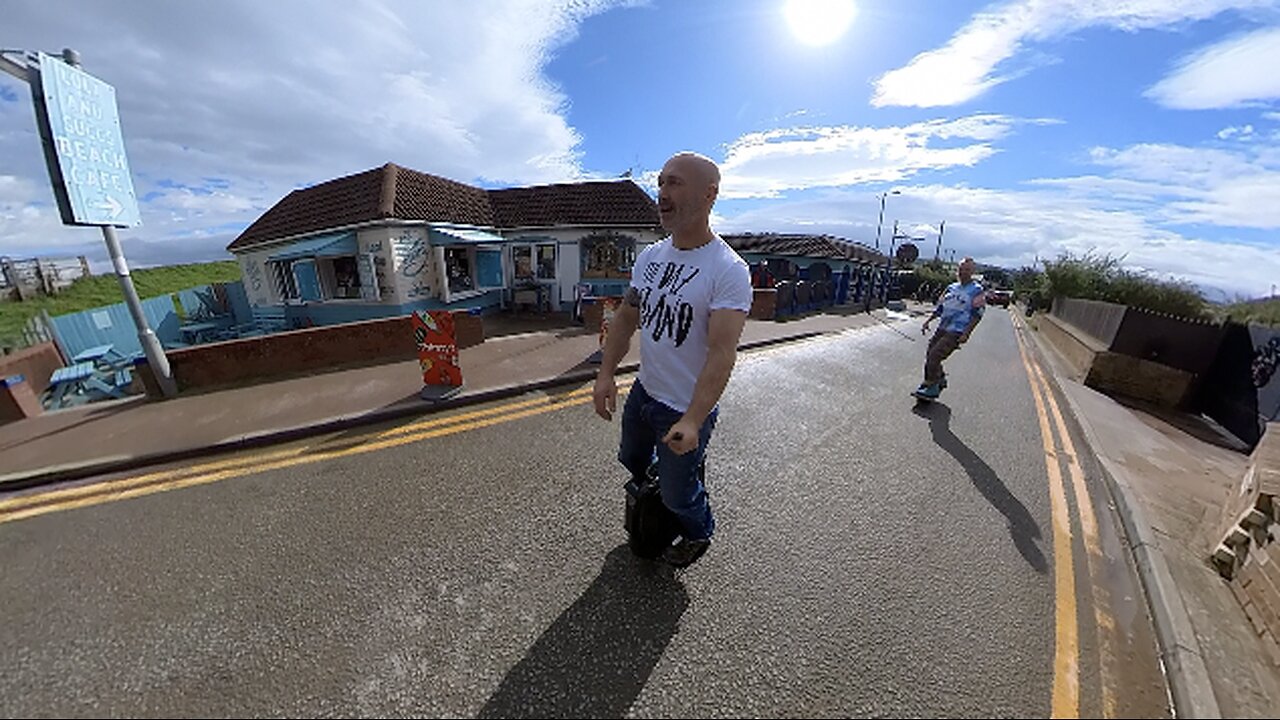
1100	320
1077	347
254	360
1248	556
1114	373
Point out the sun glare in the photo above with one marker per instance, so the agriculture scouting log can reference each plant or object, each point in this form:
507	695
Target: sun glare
819	22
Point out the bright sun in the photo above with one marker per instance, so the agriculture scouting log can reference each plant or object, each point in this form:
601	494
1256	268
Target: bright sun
819	22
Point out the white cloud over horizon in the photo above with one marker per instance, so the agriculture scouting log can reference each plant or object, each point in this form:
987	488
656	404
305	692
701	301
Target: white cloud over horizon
1226	74
764	164
978	57
221	118
1012	228
1182	185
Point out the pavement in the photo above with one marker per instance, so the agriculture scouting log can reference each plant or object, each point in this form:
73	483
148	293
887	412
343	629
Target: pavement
1170	479
1167	485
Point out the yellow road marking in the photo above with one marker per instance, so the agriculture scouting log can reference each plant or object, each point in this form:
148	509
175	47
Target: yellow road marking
1093	547
39	504
1066	663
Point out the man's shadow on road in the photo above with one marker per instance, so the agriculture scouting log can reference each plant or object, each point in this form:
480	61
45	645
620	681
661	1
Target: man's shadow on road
594	660
1022	527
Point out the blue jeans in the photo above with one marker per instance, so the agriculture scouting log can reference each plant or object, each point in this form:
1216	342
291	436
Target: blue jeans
644	422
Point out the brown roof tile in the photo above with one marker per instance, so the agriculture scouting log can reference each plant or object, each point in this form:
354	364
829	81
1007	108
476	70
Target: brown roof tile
822	246
587	203
396	192
343	201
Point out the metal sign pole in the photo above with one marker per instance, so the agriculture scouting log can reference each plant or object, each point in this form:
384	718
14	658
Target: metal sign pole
151	347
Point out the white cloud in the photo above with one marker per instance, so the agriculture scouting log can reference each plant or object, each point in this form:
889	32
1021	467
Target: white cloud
217	91
1273	116
764	164
1244	132
978	56
1013	228
1182	185
1227	74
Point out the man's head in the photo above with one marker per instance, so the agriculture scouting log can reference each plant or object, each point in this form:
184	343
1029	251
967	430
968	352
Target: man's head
687	188
965	271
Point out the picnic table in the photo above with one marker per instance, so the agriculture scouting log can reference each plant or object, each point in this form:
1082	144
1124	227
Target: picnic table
70	379
197	332
93	354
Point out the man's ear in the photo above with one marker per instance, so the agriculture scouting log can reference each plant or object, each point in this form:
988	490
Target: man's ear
713	191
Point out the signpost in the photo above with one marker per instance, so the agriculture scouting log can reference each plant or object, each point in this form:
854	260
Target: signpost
79	127
83	145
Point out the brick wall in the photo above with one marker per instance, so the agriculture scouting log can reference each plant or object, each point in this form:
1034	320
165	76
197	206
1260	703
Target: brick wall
764	304
17	401
300	352
35	363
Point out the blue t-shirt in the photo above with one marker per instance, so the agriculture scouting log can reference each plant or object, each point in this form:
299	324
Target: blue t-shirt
960	304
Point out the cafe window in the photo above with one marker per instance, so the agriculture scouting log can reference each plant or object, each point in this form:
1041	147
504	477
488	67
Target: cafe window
472	269
608	256
522	261
546	261
533	262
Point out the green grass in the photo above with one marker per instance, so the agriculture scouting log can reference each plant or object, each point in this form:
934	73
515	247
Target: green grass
92	292
1266	312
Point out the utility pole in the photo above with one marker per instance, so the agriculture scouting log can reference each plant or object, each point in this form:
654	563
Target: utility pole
937	253
104	210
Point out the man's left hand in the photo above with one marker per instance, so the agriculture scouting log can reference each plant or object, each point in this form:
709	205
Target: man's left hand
964	338
686	432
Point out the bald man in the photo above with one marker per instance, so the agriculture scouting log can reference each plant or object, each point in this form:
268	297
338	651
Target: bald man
689	296
960	307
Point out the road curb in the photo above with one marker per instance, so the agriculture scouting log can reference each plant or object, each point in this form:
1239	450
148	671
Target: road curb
1185	670
337	423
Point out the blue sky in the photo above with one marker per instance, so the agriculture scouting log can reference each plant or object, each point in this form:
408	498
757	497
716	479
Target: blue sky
1147	129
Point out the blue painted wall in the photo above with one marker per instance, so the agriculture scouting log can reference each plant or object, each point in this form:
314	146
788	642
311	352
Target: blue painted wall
79	331
114	325
336	313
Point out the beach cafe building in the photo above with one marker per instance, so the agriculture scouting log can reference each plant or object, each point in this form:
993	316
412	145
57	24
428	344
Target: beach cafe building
391	240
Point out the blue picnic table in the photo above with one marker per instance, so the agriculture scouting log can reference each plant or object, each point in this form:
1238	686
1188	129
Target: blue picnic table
66	380
93	354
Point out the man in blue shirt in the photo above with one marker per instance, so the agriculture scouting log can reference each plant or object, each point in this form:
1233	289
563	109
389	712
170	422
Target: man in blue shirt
960	308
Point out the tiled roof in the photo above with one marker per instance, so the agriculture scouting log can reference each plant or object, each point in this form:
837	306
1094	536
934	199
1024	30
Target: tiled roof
344	201
587	203
799	245
396	192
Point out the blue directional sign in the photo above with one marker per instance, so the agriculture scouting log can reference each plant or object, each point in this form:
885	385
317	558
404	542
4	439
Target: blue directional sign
84	148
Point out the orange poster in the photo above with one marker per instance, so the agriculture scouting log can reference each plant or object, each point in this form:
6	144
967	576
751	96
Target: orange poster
437	348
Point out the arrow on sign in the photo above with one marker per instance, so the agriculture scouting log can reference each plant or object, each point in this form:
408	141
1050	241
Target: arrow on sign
112	206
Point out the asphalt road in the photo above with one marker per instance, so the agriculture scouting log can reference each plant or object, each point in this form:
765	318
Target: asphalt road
872	558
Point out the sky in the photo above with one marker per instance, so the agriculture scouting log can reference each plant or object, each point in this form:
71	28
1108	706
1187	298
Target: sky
1148	130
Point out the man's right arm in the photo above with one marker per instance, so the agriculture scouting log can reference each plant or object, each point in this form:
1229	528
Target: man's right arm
618	342
616	345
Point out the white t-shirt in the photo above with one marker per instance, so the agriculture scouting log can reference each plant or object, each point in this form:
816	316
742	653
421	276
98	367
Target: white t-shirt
678	290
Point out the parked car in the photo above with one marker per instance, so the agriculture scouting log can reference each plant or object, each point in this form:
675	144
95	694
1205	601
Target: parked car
999	297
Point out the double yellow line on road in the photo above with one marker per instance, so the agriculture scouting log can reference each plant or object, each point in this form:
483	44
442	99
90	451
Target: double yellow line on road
25	506
1066	675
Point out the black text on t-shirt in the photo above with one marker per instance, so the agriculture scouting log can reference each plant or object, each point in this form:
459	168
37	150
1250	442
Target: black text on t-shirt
668	315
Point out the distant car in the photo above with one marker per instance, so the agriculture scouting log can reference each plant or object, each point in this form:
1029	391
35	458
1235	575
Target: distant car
999	297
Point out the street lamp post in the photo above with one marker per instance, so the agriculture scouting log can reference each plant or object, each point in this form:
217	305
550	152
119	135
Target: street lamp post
880	223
